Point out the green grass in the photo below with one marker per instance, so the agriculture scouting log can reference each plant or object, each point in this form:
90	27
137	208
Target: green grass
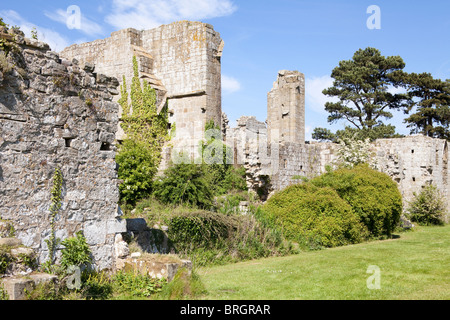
414	266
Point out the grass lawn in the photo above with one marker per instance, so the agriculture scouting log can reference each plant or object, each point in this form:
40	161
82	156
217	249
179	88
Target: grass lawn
414	266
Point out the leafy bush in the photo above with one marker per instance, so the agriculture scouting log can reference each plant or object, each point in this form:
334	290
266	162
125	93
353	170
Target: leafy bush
136	285
137	169
146	132
5	259
373	196
229	203
427	207
213	238
76	252
184	286
313	215
184	184
201	229
3	293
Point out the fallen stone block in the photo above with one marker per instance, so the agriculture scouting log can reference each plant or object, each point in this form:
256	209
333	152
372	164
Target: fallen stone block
10	242
16	287
155	267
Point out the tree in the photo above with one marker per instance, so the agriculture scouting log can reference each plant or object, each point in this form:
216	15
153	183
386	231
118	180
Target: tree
381	131
362	86
432	116
323	134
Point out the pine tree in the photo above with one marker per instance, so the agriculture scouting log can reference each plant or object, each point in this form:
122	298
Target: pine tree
432	115
362	86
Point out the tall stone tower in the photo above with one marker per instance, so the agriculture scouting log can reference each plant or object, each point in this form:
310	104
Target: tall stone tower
286	108
180	60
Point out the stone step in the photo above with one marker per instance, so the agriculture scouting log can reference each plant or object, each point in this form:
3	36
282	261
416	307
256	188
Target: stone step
16	287
10	242
154	267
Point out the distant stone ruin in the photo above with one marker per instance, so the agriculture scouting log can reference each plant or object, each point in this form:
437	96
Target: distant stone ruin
274	154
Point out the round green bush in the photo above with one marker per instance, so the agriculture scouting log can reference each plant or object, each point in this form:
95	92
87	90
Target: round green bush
428	207
313	214
373	196
184	184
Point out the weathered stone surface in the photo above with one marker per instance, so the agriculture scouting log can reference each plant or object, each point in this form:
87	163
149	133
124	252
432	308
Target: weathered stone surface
63	118
6	227
10	242
16	287
156	268
286	108
275	153
181	61
22	251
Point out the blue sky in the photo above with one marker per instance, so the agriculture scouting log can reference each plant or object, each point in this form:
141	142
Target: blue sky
262	37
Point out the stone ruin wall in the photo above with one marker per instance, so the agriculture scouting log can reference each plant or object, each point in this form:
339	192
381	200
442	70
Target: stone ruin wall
57	113
180	60
275	161
285	116
413	162
46	121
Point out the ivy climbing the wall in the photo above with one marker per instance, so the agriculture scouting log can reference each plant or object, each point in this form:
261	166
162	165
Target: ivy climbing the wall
55	206
146	132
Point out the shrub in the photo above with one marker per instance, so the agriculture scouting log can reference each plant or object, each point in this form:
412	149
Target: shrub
427	207
136	285
5	66
213	238
313	215
200	229
76	252
373	196
146	132
184	184
229	203
136	168
184	286
5	259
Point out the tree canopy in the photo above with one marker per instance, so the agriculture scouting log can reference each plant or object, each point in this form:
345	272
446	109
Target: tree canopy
364	86
432	115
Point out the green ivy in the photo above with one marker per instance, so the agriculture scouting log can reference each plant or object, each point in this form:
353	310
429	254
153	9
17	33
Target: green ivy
146	132
55	206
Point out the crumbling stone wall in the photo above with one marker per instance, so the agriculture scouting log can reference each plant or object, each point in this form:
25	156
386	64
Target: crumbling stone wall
180	60
58	113
275	157
286	108
413	162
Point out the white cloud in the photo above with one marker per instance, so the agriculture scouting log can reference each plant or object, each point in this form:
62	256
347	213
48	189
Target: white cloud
230	84
147	14
86	26
56	41
315	99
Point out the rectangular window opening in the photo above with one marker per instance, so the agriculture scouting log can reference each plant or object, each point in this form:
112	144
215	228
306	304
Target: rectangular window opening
68	142
105	146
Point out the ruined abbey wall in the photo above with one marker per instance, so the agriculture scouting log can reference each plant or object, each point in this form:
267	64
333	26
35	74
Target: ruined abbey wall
57	113
180	60
285	108
276	157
